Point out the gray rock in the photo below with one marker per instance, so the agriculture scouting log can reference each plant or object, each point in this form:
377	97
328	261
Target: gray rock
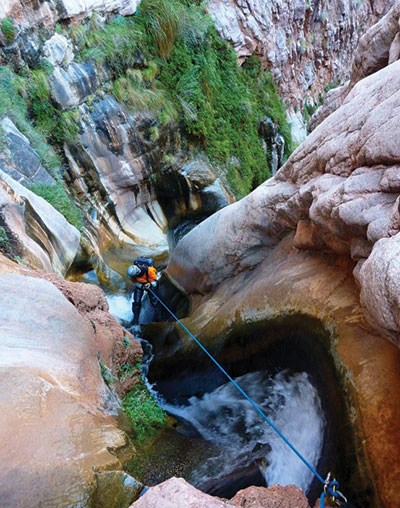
58	50
41	235
19	160
72	86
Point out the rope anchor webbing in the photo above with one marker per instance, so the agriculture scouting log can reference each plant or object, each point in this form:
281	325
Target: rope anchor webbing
331	493
329	485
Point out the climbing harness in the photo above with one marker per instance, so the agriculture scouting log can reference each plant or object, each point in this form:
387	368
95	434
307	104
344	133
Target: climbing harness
330	492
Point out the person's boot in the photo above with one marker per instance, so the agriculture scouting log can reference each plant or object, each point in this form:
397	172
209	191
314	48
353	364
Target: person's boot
136	314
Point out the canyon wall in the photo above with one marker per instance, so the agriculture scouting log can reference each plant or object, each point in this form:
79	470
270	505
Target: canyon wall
322	238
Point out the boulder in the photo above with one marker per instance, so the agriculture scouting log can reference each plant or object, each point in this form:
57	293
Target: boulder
38	233
58	50
273	497
177	492
56	427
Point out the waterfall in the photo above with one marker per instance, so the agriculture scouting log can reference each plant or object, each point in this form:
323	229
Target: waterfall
227	419
242	437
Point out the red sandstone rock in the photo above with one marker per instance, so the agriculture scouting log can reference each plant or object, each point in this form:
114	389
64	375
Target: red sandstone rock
276	496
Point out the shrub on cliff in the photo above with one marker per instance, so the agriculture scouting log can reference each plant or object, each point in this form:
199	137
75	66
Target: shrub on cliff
168	58
14	104
8	29
221	104
57	196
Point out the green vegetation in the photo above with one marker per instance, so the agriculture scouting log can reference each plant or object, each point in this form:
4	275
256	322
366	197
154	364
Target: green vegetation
57	126
57	196
14	102
8	29
169	59
3	238
30	92
107	375
127	370
143	412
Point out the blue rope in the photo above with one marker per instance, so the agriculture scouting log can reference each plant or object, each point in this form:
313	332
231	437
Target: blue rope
237	386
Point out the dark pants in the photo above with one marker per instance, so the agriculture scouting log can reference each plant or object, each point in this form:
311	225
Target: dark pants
137	301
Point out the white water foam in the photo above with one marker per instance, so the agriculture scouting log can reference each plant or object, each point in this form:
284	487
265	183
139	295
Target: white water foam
227	419
120	306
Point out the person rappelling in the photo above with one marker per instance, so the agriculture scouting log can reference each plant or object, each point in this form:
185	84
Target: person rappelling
144	275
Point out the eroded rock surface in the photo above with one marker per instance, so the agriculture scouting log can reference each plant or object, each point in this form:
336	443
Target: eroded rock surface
321	237
55	425
306	45
288	281
339	190
37	232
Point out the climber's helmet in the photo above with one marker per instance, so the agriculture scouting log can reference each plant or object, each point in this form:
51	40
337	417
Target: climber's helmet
133	271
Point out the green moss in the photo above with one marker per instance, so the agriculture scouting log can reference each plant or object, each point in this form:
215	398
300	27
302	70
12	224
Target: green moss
57	196
115	44
143	412
8	29
127	370
107	375
58	126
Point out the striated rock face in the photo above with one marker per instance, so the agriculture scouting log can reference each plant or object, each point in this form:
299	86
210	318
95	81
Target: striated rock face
55	425
113	167
32	13
305	44
377	48
19	160
135	195
37	232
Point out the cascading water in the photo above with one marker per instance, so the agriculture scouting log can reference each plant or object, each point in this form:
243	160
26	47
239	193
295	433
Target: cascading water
227	419
224	418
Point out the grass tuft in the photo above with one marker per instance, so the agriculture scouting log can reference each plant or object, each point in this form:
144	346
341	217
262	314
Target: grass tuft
143	412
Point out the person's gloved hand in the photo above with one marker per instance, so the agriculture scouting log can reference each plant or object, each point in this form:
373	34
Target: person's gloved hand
147	285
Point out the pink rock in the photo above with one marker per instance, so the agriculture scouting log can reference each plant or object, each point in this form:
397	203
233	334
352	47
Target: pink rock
176	492
277	496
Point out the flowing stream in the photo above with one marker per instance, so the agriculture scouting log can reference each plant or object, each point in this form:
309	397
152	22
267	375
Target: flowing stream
223	417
